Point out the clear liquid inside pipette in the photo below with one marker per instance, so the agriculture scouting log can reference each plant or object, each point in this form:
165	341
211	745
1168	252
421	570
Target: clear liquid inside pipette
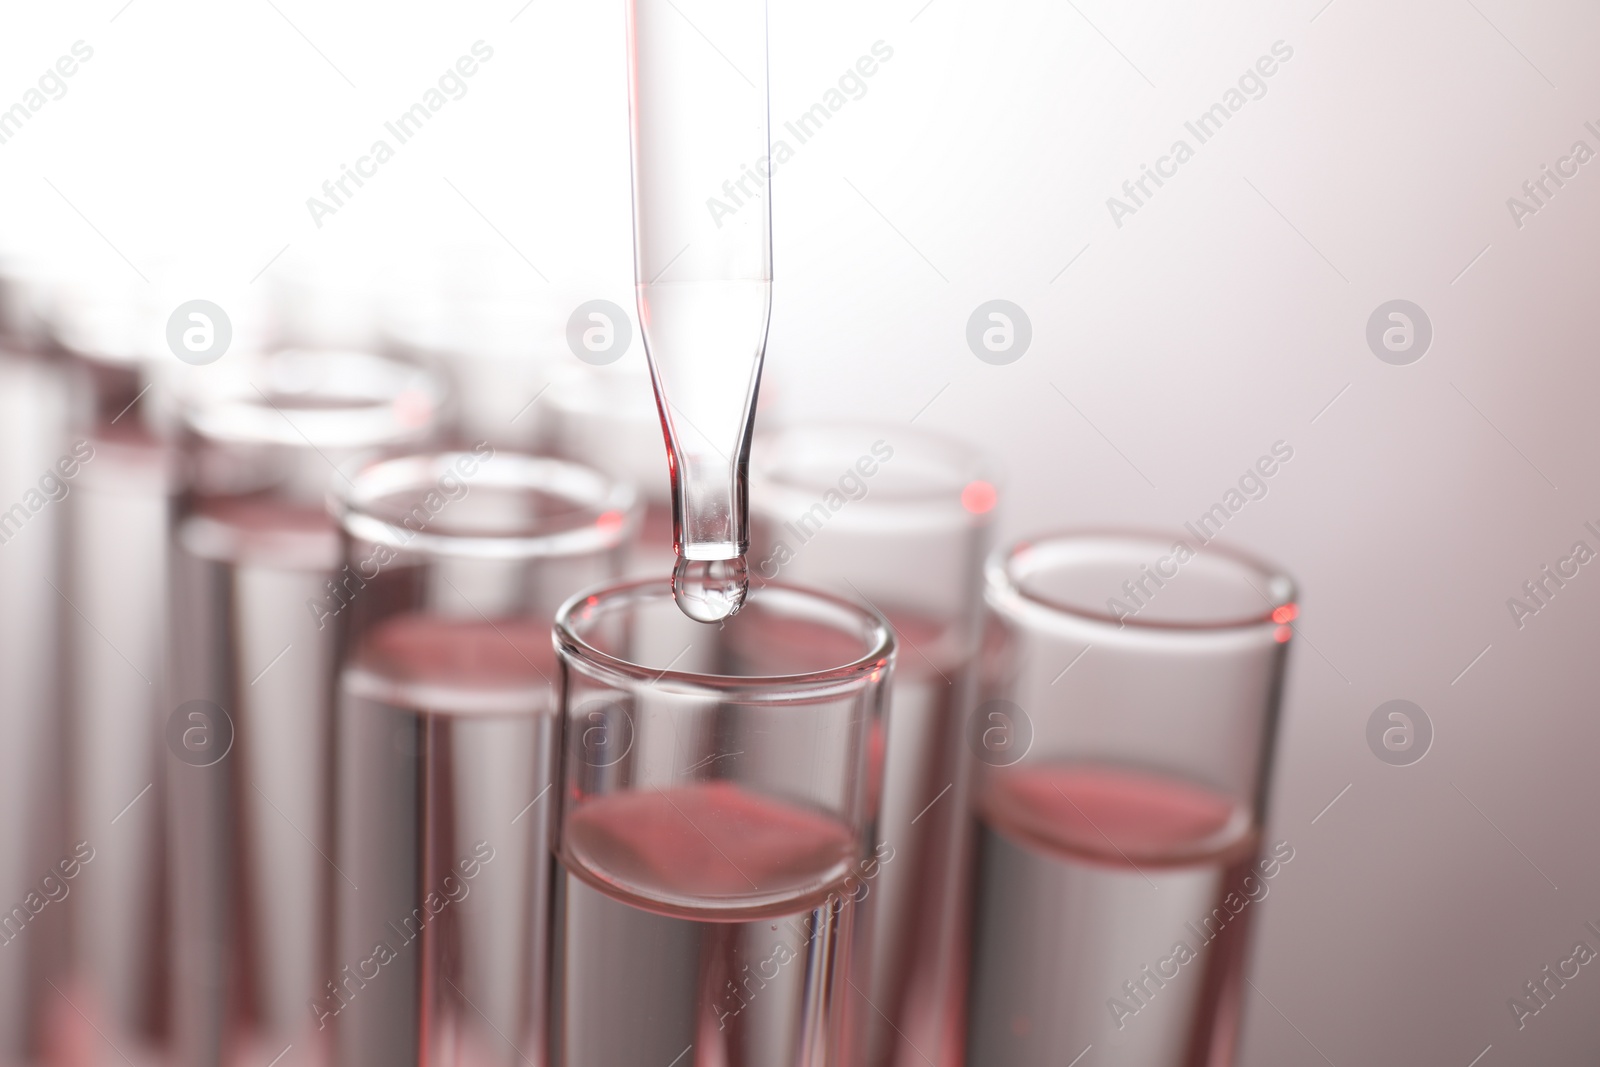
699	115
705	342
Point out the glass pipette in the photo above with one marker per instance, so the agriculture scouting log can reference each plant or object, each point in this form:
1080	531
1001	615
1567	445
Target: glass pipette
703	267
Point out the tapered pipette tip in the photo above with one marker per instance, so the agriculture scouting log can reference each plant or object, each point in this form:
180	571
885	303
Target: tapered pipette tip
710	590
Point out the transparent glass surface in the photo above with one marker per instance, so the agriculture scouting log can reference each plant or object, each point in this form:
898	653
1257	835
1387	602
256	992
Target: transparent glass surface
1121	748
118	515
716	817
901	520
33	438
703	265
454	567
258	599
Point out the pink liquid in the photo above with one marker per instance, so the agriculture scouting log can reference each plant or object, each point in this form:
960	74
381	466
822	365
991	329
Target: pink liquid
1089	878
471	653
1113	815
706	849
701	924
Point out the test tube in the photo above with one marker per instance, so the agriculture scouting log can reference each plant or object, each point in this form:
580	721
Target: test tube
448	749
118	507
259	592
900	519
1123	748
703	267
715	835
33	436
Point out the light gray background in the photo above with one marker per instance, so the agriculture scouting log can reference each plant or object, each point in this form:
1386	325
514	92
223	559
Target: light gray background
1167	354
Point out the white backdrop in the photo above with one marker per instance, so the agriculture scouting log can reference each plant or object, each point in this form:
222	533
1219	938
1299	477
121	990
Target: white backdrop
1227	312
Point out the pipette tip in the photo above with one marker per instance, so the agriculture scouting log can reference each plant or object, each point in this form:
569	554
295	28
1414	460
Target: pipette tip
710	590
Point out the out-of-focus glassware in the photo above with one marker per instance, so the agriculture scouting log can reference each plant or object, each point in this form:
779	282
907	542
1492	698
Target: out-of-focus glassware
259	595
1122	752
117	540
34	444
703	266
715	835
900	519
448	739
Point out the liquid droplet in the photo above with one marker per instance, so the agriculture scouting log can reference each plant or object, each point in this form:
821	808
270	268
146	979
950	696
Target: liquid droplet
710	590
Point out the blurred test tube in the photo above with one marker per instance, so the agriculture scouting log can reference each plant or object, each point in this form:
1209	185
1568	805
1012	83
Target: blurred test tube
118	510
259	592
33	412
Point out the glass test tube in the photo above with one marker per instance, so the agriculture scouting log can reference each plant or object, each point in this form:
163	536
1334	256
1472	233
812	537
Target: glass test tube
1122	749
900	519
698	108
259	595
118	510
33	438
447	749
715	834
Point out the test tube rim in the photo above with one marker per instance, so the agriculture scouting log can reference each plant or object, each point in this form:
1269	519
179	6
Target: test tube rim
1004	592
234	410
351	495
960	453
807	686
